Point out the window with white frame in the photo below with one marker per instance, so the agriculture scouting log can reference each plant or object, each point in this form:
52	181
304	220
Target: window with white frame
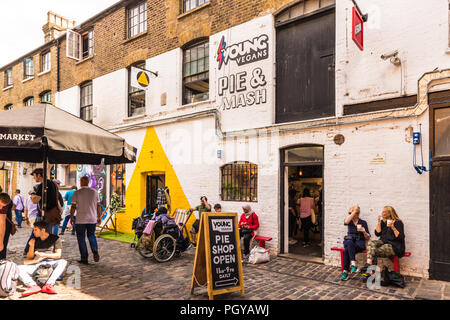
28	68
136	97
196	73
86	101
137	19
79	46
28	102
191	4
45	61
8	78
46	97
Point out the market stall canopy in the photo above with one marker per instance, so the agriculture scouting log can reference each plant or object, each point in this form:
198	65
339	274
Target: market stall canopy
26	133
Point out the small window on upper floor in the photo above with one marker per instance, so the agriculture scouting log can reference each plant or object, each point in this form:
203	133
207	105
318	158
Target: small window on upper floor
46	97
191	4
196	73
80	46
28	102
137	19
28	68
136	97
45	61
8	107
86	107
8	78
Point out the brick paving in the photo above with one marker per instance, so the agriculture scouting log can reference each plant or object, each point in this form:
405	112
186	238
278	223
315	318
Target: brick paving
122	274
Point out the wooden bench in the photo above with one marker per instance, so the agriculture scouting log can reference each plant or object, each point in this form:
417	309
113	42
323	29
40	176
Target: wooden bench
262	240
394	259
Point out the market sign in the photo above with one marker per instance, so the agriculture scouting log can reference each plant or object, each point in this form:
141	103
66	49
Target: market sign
140	79
358	29
218	256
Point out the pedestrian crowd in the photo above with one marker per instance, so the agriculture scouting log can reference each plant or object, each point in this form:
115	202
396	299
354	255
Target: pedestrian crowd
43	250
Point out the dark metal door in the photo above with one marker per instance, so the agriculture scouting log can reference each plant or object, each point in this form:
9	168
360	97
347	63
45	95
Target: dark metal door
440	221
305	67
440	193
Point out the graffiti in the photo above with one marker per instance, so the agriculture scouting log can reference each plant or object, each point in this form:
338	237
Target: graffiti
97	176
244	52
236	85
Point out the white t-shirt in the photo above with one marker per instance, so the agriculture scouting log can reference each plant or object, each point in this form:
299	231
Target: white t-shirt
31	207
86	200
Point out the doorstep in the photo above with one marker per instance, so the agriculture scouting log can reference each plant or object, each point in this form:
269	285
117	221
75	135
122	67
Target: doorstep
302	257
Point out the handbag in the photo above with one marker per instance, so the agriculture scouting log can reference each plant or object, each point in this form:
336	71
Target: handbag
259	255
53	216
313	216
13	226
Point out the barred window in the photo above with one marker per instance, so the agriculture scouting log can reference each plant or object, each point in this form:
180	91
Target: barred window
28	68
191	4
8	78
240	182
137	19
86	101
196	73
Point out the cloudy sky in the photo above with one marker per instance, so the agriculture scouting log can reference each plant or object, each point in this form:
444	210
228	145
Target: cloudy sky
21	22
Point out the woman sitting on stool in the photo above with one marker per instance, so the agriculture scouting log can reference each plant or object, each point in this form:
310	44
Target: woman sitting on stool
355	241
247	225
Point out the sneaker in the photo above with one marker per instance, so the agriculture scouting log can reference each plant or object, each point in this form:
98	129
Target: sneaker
48	288
292	242
364	270
96	255
306	244
354	269
83	262
61	234
344	276
31	290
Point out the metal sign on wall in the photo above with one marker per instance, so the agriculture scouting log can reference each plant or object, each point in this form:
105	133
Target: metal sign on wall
358	29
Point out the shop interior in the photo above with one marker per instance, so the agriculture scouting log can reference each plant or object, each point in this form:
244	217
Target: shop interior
300	178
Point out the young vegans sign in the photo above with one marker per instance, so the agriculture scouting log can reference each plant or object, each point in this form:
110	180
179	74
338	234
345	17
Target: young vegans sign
218	261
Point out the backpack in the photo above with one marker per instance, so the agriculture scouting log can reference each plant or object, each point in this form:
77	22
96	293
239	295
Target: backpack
9	273
42	274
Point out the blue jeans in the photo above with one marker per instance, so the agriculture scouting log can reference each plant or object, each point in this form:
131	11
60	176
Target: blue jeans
351	249
66	221
81	231
19	218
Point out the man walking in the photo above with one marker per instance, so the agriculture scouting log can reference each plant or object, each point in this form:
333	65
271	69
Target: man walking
86	202
5	223
18	207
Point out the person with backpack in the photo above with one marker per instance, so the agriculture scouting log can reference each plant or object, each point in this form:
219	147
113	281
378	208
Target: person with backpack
5	223
248	224
45	250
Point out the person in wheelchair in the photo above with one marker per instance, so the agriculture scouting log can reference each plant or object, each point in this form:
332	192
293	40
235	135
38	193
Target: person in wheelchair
171	228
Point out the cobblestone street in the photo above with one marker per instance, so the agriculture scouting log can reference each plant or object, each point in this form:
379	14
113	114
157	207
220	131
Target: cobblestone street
122	274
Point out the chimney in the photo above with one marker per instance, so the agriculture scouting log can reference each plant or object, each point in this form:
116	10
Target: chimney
56	25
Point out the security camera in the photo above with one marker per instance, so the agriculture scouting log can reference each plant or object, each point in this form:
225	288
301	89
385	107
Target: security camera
389	55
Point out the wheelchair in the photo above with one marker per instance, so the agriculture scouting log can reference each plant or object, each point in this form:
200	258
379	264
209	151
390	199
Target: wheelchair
162	244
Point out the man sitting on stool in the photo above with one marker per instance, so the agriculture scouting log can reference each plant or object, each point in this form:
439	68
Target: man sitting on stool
44	249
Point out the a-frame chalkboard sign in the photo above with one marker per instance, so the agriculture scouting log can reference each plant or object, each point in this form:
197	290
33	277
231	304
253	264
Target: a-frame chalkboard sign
218	261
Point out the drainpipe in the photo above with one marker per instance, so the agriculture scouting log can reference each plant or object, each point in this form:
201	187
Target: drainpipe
58	80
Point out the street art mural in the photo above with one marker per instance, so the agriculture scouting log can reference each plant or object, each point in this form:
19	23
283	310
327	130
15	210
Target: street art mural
97	176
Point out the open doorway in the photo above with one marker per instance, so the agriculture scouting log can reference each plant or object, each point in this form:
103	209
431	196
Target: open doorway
302	185
305	192
154	182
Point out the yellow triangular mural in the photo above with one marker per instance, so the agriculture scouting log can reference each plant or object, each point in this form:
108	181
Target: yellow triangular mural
152	159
